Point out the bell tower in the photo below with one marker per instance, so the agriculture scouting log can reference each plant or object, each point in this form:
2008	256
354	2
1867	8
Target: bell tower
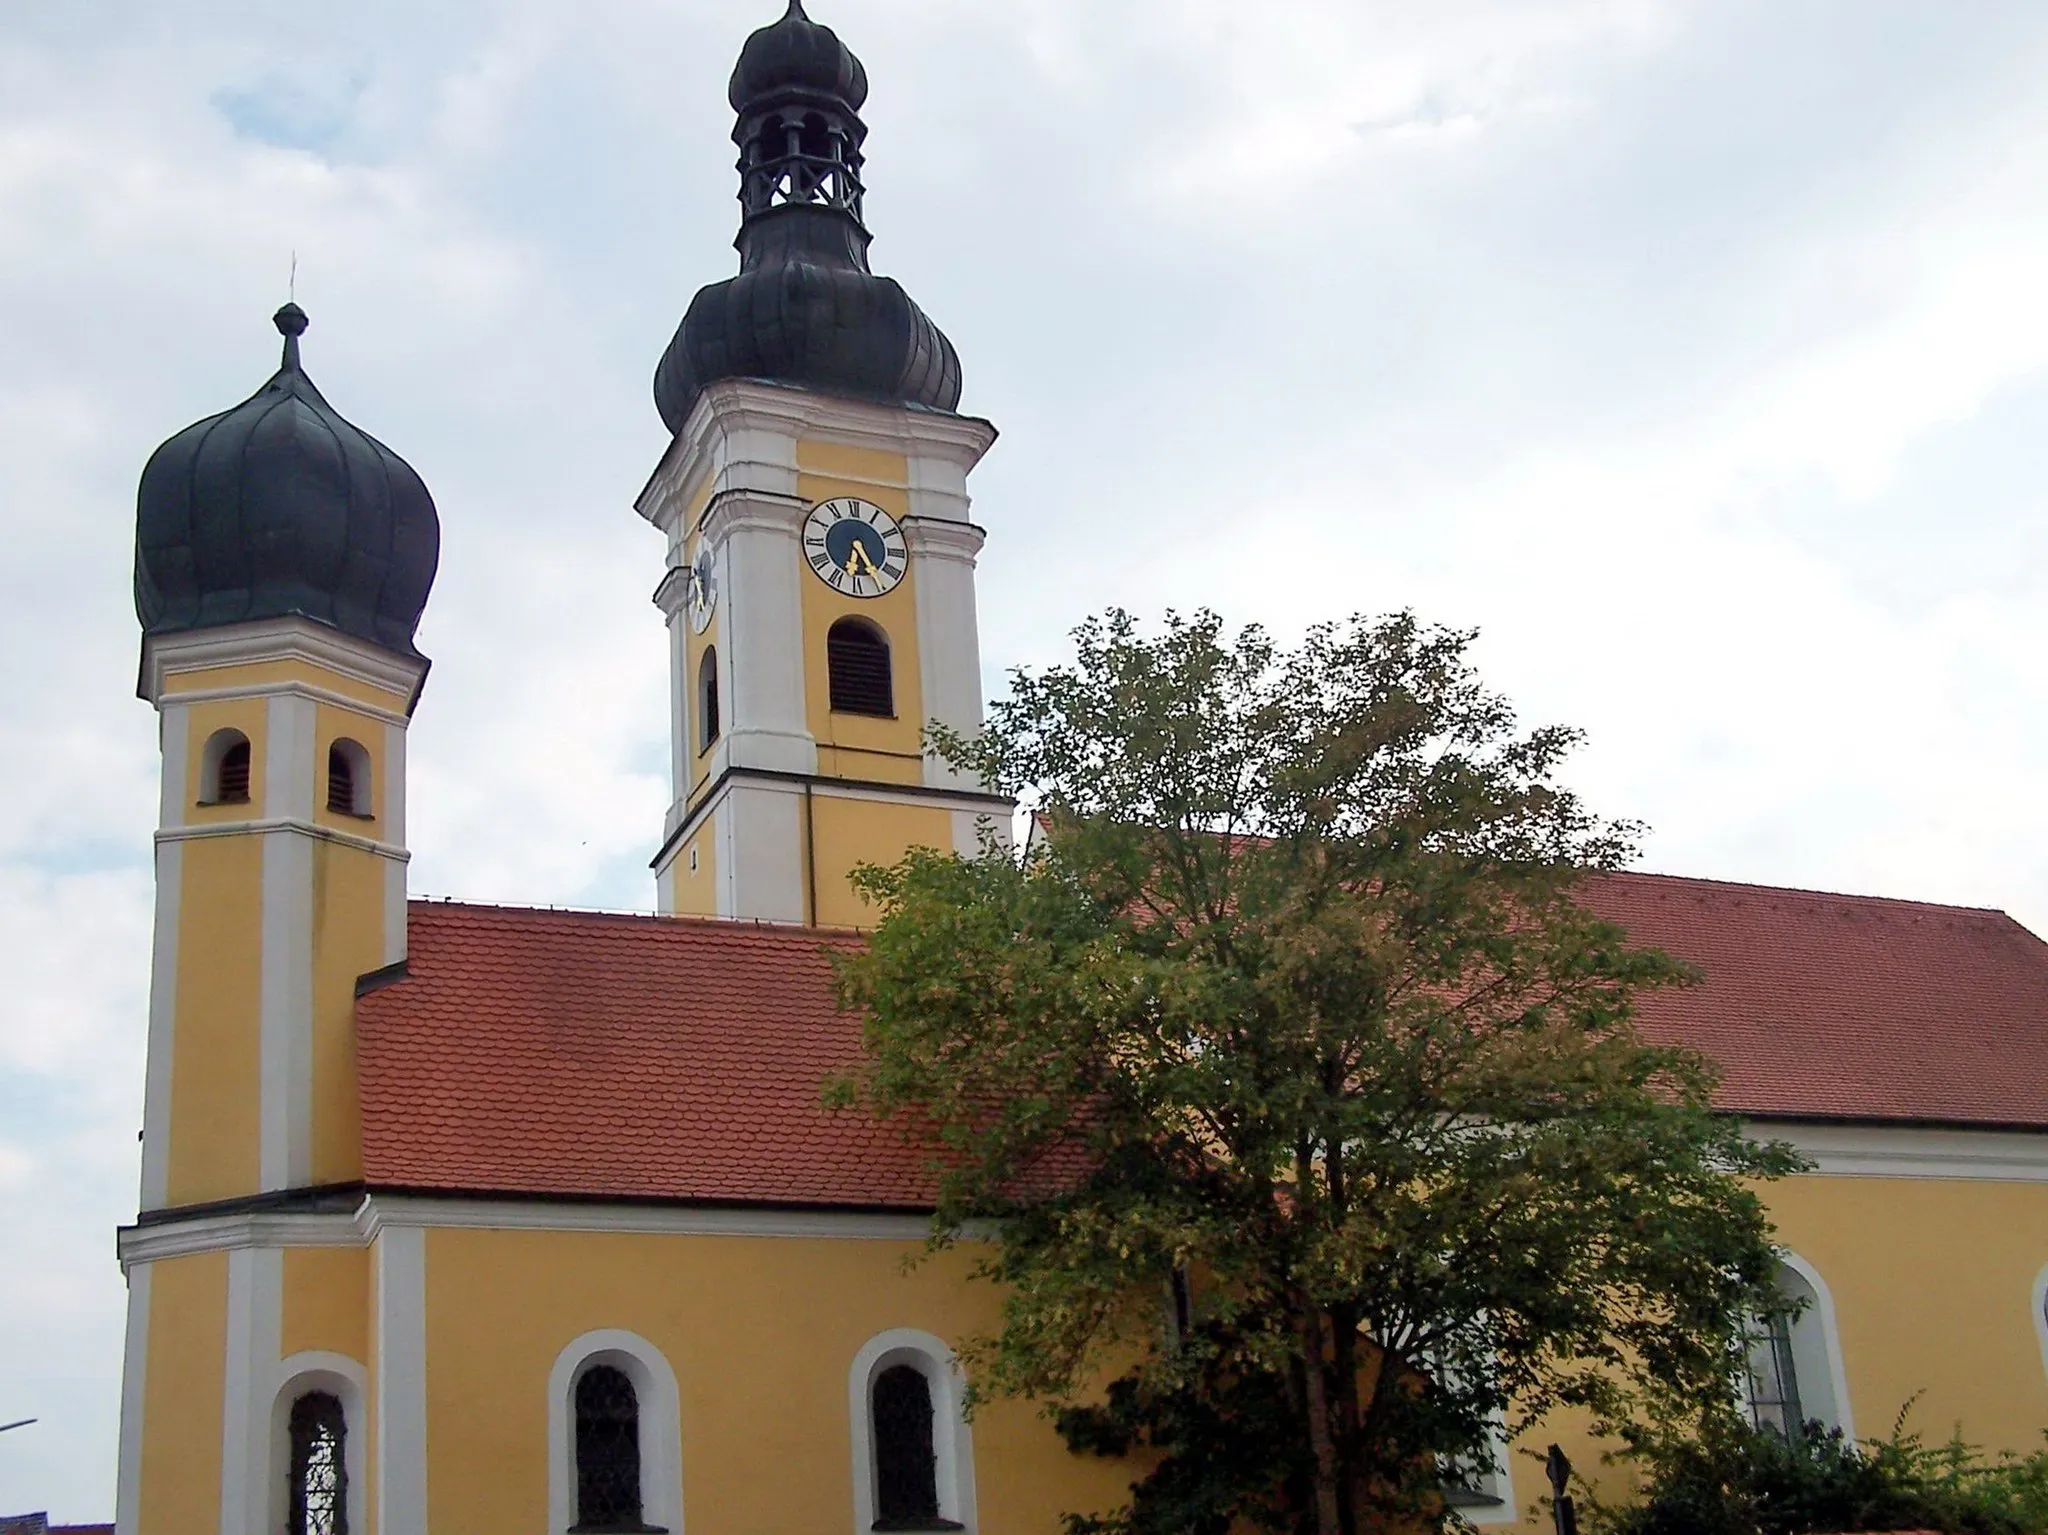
820	582
282	560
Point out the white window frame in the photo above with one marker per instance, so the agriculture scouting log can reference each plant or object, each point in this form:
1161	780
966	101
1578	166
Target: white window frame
661	1438
346	1381
362	798
216	747
1817	1351
952	1437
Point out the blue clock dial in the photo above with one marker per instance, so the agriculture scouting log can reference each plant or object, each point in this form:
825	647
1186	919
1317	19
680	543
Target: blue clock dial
854	547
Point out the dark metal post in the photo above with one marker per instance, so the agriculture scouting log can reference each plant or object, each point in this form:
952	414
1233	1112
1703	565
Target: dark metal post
1562	1513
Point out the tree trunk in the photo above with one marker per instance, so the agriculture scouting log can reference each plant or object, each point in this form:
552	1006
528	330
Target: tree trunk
1311	1324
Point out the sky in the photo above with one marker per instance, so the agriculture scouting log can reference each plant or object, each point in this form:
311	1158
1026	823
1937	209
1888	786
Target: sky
1693	351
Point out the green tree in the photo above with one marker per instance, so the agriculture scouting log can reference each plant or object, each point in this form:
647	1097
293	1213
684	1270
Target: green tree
1299	1097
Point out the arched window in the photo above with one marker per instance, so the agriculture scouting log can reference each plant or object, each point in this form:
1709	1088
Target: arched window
913	1456
607	1451
224	769
318	1488
348	779
1794	1359
857	660
906	1465
615	1462
707	699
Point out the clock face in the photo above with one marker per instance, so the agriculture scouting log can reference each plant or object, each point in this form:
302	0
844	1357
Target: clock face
703	591
854	547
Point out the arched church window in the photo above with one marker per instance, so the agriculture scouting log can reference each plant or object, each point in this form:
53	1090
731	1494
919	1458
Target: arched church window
906	1460
857	660
707	699
1773	1379
319	1469
348	778
607	1452
224	769
1793	1358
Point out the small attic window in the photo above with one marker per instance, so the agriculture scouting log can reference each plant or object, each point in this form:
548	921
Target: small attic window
224	769
348	779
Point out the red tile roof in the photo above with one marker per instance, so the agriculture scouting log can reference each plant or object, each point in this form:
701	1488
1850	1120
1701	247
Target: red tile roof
1847	1007
618	1057
550	1052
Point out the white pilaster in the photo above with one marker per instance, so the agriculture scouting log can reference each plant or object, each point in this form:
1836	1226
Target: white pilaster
163	1014
394	832
948	634
285	1036
255	1329
401	1302
755	539
134	1383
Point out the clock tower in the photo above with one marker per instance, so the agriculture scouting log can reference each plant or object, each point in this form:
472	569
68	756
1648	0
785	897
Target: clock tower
820	580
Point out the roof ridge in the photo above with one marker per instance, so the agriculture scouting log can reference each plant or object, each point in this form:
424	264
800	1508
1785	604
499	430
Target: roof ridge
625	915
1807	891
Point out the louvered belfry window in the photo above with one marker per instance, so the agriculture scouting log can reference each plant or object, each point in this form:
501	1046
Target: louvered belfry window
707	700
607	1452
234	775
341	781
906	1467
857	657
319	1468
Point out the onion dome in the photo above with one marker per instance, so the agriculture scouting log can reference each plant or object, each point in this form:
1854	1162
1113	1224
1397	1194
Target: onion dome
280	508
805	309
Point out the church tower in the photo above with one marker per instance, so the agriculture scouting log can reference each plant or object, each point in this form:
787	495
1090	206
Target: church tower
820	583
282	560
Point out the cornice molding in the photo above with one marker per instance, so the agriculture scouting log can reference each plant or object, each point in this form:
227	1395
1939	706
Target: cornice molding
732	407
306	690
944	539
314	829
230	1231
1911	1151
165	656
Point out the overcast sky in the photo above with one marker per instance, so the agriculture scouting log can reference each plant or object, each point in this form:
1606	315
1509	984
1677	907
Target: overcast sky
1696	353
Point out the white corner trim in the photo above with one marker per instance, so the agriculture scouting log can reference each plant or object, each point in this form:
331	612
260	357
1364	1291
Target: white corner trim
163	1020
2039	1301
174	738
168	656
952	1435
285	1021
661	1439
1831	1336
400	1265
134	1386
942	538
348	1382
1912	1151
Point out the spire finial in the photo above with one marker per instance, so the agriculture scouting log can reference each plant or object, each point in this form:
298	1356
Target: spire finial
291	323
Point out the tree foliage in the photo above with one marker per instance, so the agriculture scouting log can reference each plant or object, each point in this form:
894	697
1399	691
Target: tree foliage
1300	1092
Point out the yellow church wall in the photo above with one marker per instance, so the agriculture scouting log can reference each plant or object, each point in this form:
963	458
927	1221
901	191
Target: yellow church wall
850	832
696	889
183	1384
875	468
215	1082
761	1333
263	674
326	1302
1932	1281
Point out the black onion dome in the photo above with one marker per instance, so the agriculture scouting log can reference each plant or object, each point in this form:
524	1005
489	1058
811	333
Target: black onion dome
804	309
797	55
281	508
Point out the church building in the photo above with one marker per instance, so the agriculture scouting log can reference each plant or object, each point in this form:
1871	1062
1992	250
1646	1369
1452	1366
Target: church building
464	1218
